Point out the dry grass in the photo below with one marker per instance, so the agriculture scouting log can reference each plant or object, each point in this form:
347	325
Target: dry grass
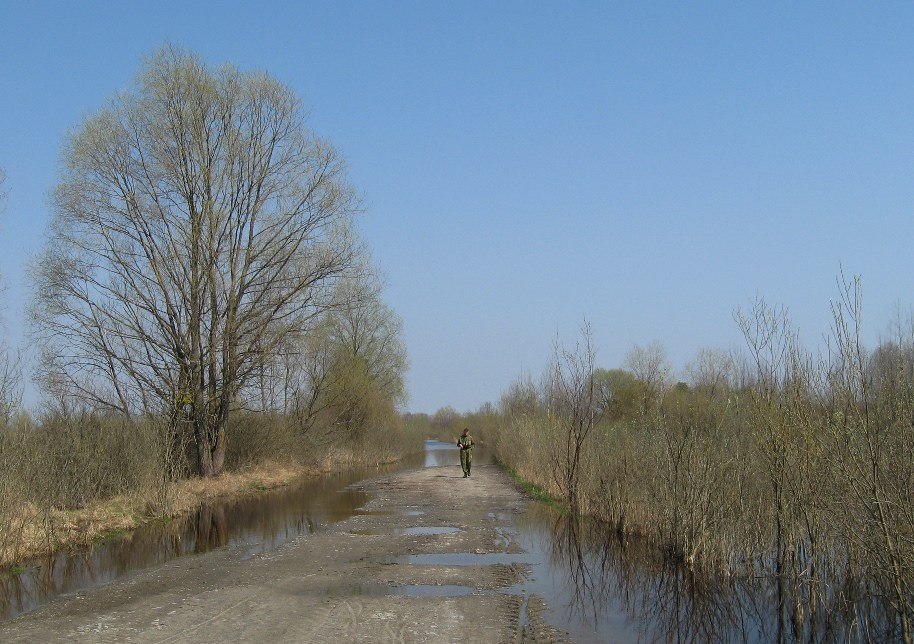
74	481
46	531
43	532
186	495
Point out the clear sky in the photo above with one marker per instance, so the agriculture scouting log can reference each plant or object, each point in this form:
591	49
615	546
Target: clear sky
648	166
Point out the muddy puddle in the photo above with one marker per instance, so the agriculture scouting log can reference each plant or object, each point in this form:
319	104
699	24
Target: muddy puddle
427	531
469	559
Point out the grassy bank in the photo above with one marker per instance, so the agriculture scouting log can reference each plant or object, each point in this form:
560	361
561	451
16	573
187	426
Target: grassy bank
42	532
534	491
72	482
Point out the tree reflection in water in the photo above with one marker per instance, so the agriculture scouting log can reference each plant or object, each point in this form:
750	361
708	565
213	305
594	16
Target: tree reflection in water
253	524
607	585
211	528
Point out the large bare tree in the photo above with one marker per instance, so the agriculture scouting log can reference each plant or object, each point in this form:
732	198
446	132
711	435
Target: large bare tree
199	224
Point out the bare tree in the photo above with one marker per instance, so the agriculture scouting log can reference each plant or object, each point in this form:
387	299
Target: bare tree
198	227
575	404
712	371
354	356
873	408
651	367
364	327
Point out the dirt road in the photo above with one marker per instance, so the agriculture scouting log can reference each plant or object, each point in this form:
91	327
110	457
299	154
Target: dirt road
431	559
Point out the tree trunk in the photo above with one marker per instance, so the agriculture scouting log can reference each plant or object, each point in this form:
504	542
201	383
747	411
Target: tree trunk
204	453
218	453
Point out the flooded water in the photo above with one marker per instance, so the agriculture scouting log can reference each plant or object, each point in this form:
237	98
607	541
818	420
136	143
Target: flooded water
440	454
597	587
586	598
601	587
252	525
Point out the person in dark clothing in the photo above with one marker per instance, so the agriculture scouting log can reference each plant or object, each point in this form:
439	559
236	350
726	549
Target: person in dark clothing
465	443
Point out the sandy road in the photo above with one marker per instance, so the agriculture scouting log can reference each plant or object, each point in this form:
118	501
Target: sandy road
353	582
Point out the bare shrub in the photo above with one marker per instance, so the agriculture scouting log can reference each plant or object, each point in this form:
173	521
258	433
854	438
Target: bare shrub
78	460
872	422
14	455
262	437
574	406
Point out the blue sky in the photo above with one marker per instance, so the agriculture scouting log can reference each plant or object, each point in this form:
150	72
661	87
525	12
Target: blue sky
648	166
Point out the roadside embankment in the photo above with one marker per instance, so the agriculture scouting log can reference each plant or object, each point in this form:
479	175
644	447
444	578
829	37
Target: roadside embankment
41	532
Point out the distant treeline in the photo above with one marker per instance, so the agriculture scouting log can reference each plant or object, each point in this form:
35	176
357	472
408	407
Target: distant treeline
774	462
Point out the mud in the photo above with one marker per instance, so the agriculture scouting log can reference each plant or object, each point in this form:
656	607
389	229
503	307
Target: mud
429	558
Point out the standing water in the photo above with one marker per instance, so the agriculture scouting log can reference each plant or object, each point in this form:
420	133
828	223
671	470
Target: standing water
253	524
595	585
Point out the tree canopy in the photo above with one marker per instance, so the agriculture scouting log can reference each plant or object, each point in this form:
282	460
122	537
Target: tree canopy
198	226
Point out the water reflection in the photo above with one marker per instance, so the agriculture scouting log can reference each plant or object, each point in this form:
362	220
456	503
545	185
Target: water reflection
255	524
602	587
440	454
599	587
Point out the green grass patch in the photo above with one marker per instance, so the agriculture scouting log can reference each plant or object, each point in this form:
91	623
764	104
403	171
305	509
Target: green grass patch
110	534
533	490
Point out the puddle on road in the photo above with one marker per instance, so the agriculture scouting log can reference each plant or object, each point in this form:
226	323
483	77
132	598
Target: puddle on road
468	559
461	559
428	530
384	590
417	531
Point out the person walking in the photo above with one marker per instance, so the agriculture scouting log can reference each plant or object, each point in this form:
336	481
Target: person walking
465	443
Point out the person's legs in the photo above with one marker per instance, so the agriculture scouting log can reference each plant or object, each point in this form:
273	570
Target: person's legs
464	463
